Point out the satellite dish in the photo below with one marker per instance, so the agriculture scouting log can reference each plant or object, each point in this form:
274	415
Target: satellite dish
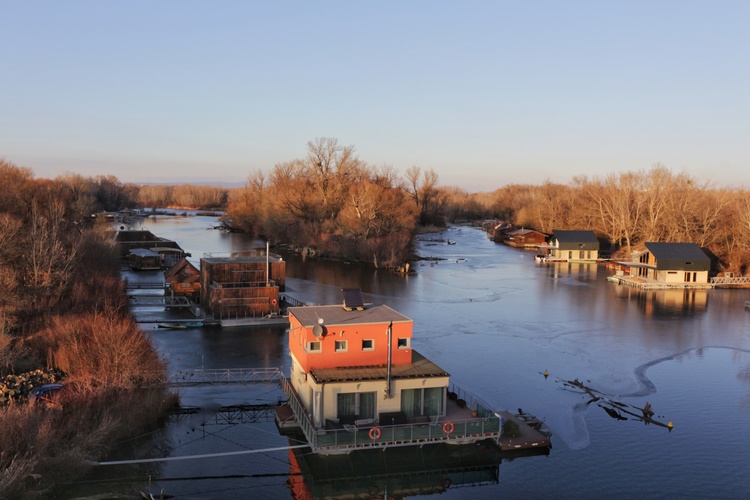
318	330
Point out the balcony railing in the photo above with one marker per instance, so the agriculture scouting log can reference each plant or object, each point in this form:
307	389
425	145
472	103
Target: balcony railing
486	425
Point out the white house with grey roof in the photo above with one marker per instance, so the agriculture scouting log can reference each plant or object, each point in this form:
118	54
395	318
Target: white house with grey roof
671	263
571	245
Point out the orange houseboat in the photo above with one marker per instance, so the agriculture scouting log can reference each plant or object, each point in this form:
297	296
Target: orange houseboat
356	383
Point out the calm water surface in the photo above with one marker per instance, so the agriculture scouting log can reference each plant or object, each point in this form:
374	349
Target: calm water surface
496	321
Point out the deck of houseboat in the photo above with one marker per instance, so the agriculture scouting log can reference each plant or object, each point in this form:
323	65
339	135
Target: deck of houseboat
467	420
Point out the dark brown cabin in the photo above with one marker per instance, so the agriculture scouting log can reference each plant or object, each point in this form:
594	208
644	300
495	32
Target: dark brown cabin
241	286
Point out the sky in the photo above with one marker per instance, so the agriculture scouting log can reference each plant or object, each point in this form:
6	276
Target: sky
485	93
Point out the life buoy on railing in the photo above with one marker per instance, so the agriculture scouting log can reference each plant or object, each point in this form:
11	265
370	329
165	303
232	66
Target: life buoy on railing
273	301
374	433
448	428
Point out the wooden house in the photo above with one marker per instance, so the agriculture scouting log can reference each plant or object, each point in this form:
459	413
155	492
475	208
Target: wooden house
671	263
183	279
571	245
243	285
525	238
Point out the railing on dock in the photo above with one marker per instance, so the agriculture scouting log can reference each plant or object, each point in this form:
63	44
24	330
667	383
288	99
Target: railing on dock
486	426
726	280
225	376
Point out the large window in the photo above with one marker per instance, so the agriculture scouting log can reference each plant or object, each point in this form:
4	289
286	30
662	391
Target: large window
340	346
418	402
355	404
403	343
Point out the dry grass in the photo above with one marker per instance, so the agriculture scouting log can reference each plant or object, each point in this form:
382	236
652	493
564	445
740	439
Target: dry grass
48	445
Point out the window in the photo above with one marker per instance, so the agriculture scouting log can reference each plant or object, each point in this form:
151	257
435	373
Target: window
341	346
403	343
313	346
368	344
419	402
355	404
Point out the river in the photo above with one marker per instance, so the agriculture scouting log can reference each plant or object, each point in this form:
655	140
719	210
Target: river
495	320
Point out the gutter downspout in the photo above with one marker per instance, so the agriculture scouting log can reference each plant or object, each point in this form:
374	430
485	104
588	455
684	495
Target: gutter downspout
388	373
268	246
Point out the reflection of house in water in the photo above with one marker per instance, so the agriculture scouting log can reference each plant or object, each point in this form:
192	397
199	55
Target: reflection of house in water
242	285
393	473
667	301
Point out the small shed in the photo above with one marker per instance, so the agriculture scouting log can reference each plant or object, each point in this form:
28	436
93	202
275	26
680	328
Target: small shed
184	279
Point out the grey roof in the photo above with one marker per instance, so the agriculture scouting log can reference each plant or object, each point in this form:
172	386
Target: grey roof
334	315
576	240
420	367
679	256
143	252
575	236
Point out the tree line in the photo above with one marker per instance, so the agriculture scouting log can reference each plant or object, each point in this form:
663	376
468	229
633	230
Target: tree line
626	209
64	313
332	201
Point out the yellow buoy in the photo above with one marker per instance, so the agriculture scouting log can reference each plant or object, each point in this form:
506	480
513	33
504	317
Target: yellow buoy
546	374
670	425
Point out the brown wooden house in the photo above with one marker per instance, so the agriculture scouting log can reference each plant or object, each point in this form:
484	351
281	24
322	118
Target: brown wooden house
242	286
184	279
525	238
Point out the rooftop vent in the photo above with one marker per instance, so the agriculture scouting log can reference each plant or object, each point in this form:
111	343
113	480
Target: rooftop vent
353	299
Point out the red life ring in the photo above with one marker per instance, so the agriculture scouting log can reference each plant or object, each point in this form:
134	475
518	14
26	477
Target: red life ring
448	428
273	301
374	433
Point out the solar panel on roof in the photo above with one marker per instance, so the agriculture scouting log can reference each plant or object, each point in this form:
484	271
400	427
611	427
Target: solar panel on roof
353	298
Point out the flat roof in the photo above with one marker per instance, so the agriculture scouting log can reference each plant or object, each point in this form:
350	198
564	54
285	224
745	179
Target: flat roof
335	315
420	367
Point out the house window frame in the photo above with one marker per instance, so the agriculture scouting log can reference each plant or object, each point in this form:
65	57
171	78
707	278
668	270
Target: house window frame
341	346
314	346
371	346
406	343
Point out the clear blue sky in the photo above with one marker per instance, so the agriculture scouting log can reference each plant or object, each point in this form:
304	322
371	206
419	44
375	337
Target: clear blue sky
484	93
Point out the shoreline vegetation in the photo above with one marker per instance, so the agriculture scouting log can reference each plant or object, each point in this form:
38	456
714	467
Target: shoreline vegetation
64	318
340	207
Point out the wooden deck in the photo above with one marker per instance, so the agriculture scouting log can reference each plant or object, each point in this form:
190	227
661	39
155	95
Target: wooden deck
526	439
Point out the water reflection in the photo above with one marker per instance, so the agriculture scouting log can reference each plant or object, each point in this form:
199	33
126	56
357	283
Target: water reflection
395	472
665	303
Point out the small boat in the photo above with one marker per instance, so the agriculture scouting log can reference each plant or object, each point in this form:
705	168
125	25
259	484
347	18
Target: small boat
613	279
538	425
174	326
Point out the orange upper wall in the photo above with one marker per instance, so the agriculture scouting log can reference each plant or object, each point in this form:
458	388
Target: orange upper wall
300	338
